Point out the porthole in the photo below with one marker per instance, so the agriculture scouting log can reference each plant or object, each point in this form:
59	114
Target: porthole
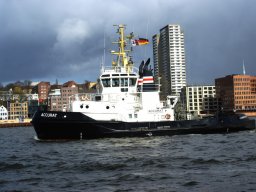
81	106
87	106
107	107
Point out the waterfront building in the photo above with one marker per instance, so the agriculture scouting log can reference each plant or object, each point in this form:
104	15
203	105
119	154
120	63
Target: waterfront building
18	110
169	59
68	90
54	101
3	113
33	103
59	99
5	96
199	101
43	90
237	93
33	96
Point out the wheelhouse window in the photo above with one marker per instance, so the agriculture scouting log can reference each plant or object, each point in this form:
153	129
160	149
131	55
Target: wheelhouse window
107	75
115	82
106	82
119	82
124	82
132	82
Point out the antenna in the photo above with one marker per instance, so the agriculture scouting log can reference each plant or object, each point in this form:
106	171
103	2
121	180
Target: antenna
244	68
104	54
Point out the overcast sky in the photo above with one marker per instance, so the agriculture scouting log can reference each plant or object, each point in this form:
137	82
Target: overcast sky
45	40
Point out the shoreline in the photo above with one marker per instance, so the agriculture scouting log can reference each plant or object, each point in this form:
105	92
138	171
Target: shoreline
14	123
10	125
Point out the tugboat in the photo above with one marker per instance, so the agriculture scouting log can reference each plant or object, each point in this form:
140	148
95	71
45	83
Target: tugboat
128	105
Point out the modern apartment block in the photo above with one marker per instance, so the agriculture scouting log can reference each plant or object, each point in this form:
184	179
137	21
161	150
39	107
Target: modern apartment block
169	59
199	100
237	92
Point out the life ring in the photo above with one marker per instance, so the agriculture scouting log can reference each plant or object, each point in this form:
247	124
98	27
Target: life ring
167	116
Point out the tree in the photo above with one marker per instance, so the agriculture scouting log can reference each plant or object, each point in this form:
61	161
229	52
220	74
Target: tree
17	90
9	86
35	90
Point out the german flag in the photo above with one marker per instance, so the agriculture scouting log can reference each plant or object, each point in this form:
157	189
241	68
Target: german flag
140	41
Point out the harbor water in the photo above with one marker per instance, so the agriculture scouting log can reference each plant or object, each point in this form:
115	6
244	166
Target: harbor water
218	162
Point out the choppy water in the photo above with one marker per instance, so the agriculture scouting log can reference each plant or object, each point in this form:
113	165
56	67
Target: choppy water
179	163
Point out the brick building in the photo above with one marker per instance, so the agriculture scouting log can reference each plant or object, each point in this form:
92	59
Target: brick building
43	91
237	92
59	99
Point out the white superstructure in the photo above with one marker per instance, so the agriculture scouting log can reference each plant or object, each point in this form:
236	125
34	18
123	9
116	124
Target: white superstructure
121	98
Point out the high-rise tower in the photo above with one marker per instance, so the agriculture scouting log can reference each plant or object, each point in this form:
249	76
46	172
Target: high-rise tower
155	55
169	59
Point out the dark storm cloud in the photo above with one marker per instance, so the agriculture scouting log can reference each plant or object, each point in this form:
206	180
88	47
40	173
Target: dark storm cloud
63	39
219	37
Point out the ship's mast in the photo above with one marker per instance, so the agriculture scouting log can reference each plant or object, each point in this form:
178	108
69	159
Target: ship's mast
123	59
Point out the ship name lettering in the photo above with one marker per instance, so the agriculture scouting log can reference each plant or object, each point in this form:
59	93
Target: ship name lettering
155	110
49	115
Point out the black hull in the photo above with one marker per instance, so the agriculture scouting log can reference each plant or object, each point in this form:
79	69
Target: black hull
72	125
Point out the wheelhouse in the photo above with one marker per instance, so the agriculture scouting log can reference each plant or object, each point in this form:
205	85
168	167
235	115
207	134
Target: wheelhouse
118	82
